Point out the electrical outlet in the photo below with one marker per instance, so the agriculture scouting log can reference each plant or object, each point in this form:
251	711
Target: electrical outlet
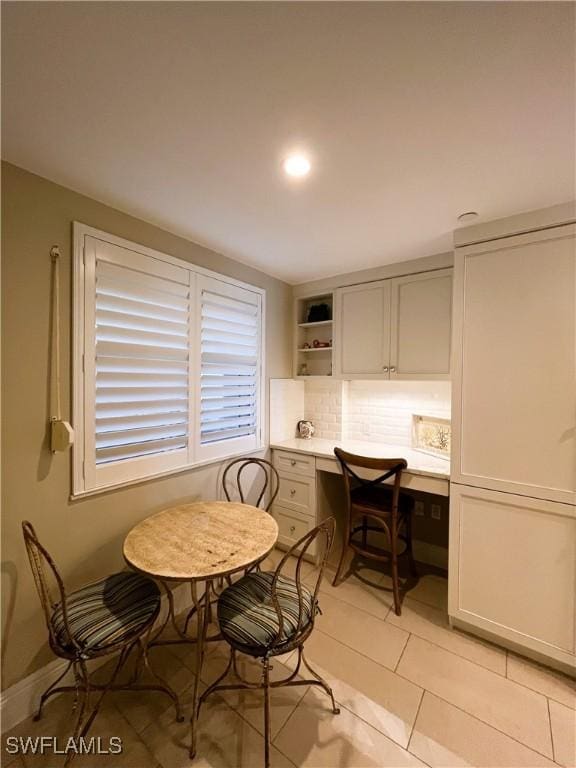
436	512
419	509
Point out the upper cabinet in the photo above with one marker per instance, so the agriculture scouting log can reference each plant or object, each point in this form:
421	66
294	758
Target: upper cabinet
420	330
514	405
363	330
395	329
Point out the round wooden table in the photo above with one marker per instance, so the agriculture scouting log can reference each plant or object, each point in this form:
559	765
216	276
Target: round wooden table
203	541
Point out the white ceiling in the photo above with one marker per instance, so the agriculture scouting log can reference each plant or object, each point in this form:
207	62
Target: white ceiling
181	113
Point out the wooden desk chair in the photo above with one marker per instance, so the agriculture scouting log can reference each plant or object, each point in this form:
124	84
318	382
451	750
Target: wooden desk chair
372	506
267	614
268	476
111	616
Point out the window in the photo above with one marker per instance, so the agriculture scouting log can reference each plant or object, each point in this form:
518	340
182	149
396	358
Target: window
168	363
229	367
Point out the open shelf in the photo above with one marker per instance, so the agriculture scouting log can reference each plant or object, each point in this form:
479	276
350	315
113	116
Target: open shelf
317	365
315	325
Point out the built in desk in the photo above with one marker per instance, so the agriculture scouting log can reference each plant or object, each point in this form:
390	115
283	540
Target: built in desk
305	497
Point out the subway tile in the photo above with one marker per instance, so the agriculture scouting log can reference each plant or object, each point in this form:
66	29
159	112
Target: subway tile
389	405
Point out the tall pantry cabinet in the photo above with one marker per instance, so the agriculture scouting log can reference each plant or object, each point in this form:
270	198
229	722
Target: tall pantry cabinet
513	480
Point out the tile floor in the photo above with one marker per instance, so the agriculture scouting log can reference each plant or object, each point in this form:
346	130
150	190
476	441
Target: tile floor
412	692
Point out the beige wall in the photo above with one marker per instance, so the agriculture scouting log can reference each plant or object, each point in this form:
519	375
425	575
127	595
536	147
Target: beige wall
85	537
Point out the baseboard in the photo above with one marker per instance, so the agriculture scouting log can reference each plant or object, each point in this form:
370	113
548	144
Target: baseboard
21	700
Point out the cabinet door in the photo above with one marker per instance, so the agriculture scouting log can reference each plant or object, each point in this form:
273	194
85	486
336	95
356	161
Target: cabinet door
421	326
514	383
363	332
512	569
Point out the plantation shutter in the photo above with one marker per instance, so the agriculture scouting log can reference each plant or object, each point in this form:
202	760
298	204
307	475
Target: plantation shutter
167	364
140	366
230	341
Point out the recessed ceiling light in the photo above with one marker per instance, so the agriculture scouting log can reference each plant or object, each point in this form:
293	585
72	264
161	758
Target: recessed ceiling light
468	217
297	165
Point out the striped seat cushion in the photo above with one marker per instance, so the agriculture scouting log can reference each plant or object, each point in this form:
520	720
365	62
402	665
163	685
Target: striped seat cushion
108	611
246	614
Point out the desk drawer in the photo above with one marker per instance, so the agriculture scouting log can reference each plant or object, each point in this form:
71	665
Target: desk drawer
297	493
292	526
294	463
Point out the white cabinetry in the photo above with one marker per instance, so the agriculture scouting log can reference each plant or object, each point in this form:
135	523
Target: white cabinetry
363	330
395	329
313	352
295	506
513	568
512	561
514	389
421	326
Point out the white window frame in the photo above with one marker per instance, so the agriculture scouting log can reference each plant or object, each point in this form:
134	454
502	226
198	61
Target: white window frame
84	483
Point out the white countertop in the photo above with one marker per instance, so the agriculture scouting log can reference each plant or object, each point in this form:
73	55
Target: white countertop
418	463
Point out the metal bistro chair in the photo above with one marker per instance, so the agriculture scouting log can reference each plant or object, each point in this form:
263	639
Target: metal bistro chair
270	480
113	615
270	483
374	506
267	614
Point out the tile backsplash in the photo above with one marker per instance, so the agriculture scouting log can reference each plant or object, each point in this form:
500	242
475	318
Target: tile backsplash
324	406
381	411
378	411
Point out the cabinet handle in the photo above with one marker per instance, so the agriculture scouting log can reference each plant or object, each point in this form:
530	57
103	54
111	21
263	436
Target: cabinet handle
292	491
292	528
392	369
293	462
385	368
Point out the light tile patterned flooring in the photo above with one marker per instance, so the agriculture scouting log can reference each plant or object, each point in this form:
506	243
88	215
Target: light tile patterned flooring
412	692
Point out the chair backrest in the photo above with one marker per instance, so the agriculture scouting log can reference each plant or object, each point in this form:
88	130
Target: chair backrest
387	467
268	477
44	571
323	534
